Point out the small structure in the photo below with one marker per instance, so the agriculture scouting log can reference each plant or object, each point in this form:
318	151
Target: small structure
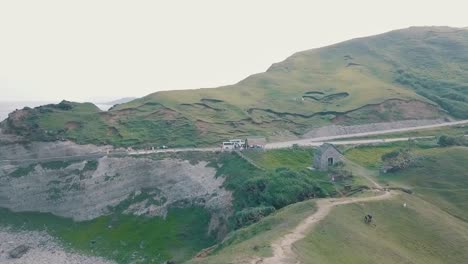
326	155
255	142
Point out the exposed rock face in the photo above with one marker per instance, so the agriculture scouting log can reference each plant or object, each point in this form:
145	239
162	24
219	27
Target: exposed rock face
18	251
86	189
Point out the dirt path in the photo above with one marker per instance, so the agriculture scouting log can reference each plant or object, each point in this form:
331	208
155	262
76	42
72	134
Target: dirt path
364	172
283	247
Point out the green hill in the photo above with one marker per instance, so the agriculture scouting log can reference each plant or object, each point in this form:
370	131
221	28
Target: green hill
411	73
431	228
419	233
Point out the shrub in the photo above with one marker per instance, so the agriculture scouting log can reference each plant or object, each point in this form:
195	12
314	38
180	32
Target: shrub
22	171
398	160
90	165
254	188
249	216
446	141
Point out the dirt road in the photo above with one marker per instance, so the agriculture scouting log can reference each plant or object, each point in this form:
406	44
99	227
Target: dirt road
283	247
309	142
319	140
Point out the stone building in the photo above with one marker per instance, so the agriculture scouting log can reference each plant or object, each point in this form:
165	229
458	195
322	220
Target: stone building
325	156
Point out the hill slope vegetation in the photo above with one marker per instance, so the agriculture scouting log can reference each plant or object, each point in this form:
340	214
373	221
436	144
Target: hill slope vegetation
427	226
414	73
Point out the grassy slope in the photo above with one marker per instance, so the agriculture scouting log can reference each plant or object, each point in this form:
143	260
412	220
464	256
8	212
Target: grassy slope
432	229
409	64
420	233
296	159
441	178
255	240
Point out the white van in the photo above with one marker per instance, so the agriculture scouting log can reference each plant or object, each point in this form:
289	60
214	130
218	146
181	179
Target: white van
228	145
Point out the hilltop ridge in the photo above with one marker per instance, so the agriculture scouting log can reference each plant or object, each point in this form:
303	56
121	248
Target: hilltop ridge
406	74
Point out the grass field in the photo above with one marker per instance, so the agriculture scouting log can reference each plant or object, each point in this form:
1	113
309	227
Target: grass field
370	156
420	233
295	159
441	178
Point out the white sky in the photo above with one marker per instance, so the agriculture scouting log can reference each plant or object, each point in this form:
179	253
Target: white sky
79	50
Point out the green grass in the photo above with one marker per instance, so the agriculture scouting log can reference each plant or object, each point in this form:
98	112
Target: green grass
253	188
370	157
120	237
295	159
420	233
440	177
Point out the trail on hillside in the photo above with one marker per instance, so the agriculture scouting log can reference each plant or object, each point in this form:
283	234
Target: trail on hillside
364	172
283	247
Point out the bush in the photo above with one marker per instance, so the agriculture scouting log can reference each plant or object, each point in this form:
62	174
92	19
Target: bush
251	215
446	141
280	188
91	165
254	188
398	160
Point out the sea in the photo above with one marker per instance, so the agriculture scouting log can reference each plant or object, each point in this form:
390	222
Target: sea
7	107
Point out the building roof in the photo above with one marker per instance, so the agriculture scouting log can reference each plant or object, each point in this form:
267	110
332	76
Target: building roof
324	147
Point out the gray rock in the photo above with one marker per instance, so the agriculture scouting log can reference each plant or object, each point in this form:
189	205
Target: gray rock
18	251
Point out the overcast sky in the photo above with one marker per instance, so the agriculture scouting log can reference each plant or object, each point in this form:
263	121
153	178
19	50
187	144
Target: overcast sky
79	50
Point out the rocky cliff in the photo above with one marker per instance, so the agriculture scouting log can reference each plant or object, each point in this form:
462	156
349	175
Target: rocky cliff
88	186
